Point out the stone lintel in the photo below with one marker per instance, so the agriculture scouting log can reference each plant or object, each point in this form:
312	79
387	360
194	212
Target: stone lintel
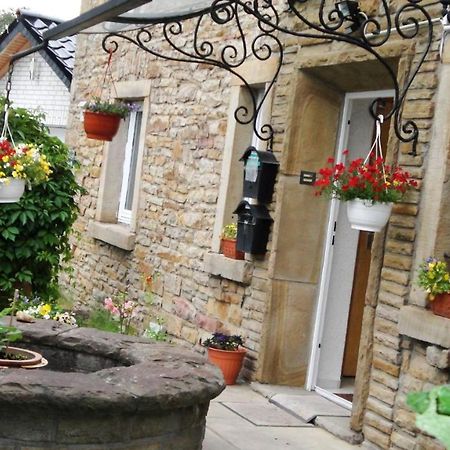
231	269
113	233
423	325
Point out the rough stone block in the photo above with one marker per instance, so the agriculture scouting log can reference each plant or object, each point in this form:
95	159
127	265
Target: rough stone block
438	357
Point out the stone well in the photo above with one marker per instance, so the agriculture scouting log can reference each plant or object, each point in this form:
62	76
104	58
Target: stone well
105	391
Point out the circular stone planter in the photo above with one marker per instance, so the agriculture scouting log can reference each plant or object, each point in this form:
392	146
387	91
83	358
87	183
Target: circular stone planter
105	391
32	358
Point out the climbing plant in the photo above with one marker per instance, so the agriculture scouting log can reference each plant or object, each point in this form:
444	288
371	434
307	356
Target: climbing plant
34	233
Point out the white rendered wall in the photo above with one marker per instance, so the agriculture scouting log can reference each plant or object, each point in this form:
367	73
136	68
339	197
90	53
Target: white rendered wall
36	86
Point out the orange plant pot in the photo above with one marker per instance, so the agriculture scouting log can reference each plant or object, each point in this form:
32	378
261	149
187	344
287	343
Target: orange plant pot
229	249
228	361
100	126
441	305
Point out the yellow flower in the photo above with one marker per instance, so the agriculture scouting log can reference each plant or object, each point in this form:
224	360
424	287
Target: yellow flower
44	309
5	158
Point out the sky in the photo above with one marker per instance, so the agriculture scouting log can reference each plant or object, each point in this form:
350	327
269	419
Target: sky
63	9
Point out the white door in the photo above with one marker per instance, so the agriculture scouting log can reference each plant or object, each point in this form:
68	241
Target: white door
325	368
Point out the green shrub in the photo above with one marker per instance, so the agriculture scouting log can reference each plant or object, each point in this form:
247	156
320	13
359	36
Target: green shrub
34	233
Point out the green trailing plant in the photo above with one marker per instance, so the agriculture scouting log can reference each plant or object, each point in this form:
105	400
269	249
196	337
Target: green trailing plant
34	233
8	333
433	412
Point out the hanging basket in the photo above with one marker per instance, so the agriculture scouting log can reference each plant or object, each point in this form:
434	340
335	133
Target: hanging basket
441	305
100	126
11	190
367	216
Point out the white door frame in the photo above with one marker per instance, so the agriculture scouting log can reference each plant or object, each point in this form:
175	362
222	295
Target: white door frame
313	365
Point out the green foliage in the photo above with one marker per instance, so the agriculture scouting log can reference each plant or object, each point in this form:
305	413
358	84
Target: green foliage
433	276
34	233
433	412
7	16
101	320
229	231
118	108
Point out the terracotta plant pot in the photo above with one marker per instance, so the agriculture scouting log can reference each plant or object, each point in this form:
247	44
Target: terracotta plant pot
229	362
33	358
441	305
12	190
367	216
100	126
228	247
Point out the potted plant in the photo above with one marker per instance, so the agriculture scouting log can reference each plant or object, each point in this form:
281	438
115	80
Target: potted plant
19	165
433	412
14	356
434	278
228	242
226	352
102	118
368	186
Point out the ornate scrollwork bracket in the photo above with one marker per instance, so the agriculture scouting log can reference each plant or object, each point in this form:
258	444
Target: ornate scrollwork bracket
186	40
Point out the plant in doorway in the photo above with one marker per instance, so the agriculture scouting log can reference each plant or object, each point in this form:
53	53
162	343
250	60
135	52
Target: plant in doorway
434	278
226	352
369	186
228	242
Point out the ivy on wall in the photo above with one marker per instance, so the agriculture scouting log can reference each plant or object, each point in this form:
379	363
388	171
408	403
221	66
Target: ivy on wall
34	233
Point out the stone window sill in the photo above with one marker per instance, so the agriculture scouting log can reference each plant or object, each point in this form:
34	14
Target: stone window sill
424	326
115	234
231	269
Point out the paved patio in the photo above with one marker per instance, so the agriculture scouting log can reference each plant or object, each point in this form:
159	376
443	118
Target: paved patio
242	419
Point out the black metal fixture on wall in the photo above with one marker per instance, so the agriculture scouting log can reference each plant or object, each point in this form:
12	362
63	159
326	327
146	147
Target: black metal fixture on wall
343	21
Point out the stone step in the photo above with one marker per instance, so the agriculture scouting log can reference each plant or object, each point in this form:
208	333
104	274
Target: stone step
339	427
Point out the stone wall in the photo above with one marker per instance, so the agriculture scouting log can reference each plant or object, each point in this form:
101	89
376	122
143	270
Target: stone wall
180	184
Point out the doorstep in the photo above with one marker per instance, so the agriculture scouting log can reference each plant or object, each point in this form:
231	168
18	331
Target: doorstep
312	408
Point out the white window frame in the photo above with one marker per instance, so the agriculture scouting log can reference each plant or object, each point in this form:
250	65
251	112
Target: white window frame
124	215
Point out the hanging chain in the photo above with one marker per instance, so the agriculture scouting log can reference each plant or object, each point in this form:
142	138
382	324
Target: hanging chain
8	83
6	130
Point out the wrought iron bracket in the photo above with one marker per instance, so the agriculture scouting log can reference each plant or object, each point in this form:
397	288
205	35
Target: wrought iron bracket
185	40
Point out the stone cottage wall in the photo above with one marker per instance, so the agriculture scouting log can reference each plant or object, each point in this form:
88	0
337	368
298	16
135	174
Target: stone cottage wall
181	176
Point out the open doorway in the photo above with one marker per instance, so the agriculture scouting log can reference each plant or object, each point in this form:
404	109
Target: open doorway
345	271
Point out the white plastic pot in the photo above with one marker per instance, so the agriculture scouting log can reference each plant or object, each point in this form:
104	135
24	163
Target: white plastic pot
11	190
367	216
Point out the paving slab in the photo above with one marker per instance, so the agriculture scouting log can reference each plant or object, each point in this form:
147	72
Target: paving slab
265	414
239	393
250	437
213	441
308	407
269	390
339	427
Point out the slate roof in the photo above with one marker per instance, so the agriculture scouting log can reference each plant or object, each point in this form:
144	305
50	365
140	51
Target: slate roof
60	54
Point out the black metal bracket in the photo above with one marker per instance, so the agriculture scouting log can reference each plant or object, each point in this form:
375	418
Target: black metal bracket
173	39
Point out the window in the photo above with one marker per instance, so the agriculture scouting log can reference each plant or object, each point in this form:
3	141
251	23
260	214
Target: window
238	139
130	166
118	197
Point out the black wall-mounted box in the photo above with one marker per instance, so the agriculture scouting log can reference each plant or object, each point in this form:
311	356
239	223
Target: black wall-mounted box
260	172
254	223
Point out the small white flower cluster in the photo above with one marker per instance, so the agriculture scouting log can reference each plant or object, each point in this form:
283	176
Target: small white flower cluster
66	317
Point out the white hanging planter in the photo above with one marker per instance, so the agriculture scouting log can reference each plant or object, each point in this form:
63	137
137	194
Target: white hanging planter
11	190
367	216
